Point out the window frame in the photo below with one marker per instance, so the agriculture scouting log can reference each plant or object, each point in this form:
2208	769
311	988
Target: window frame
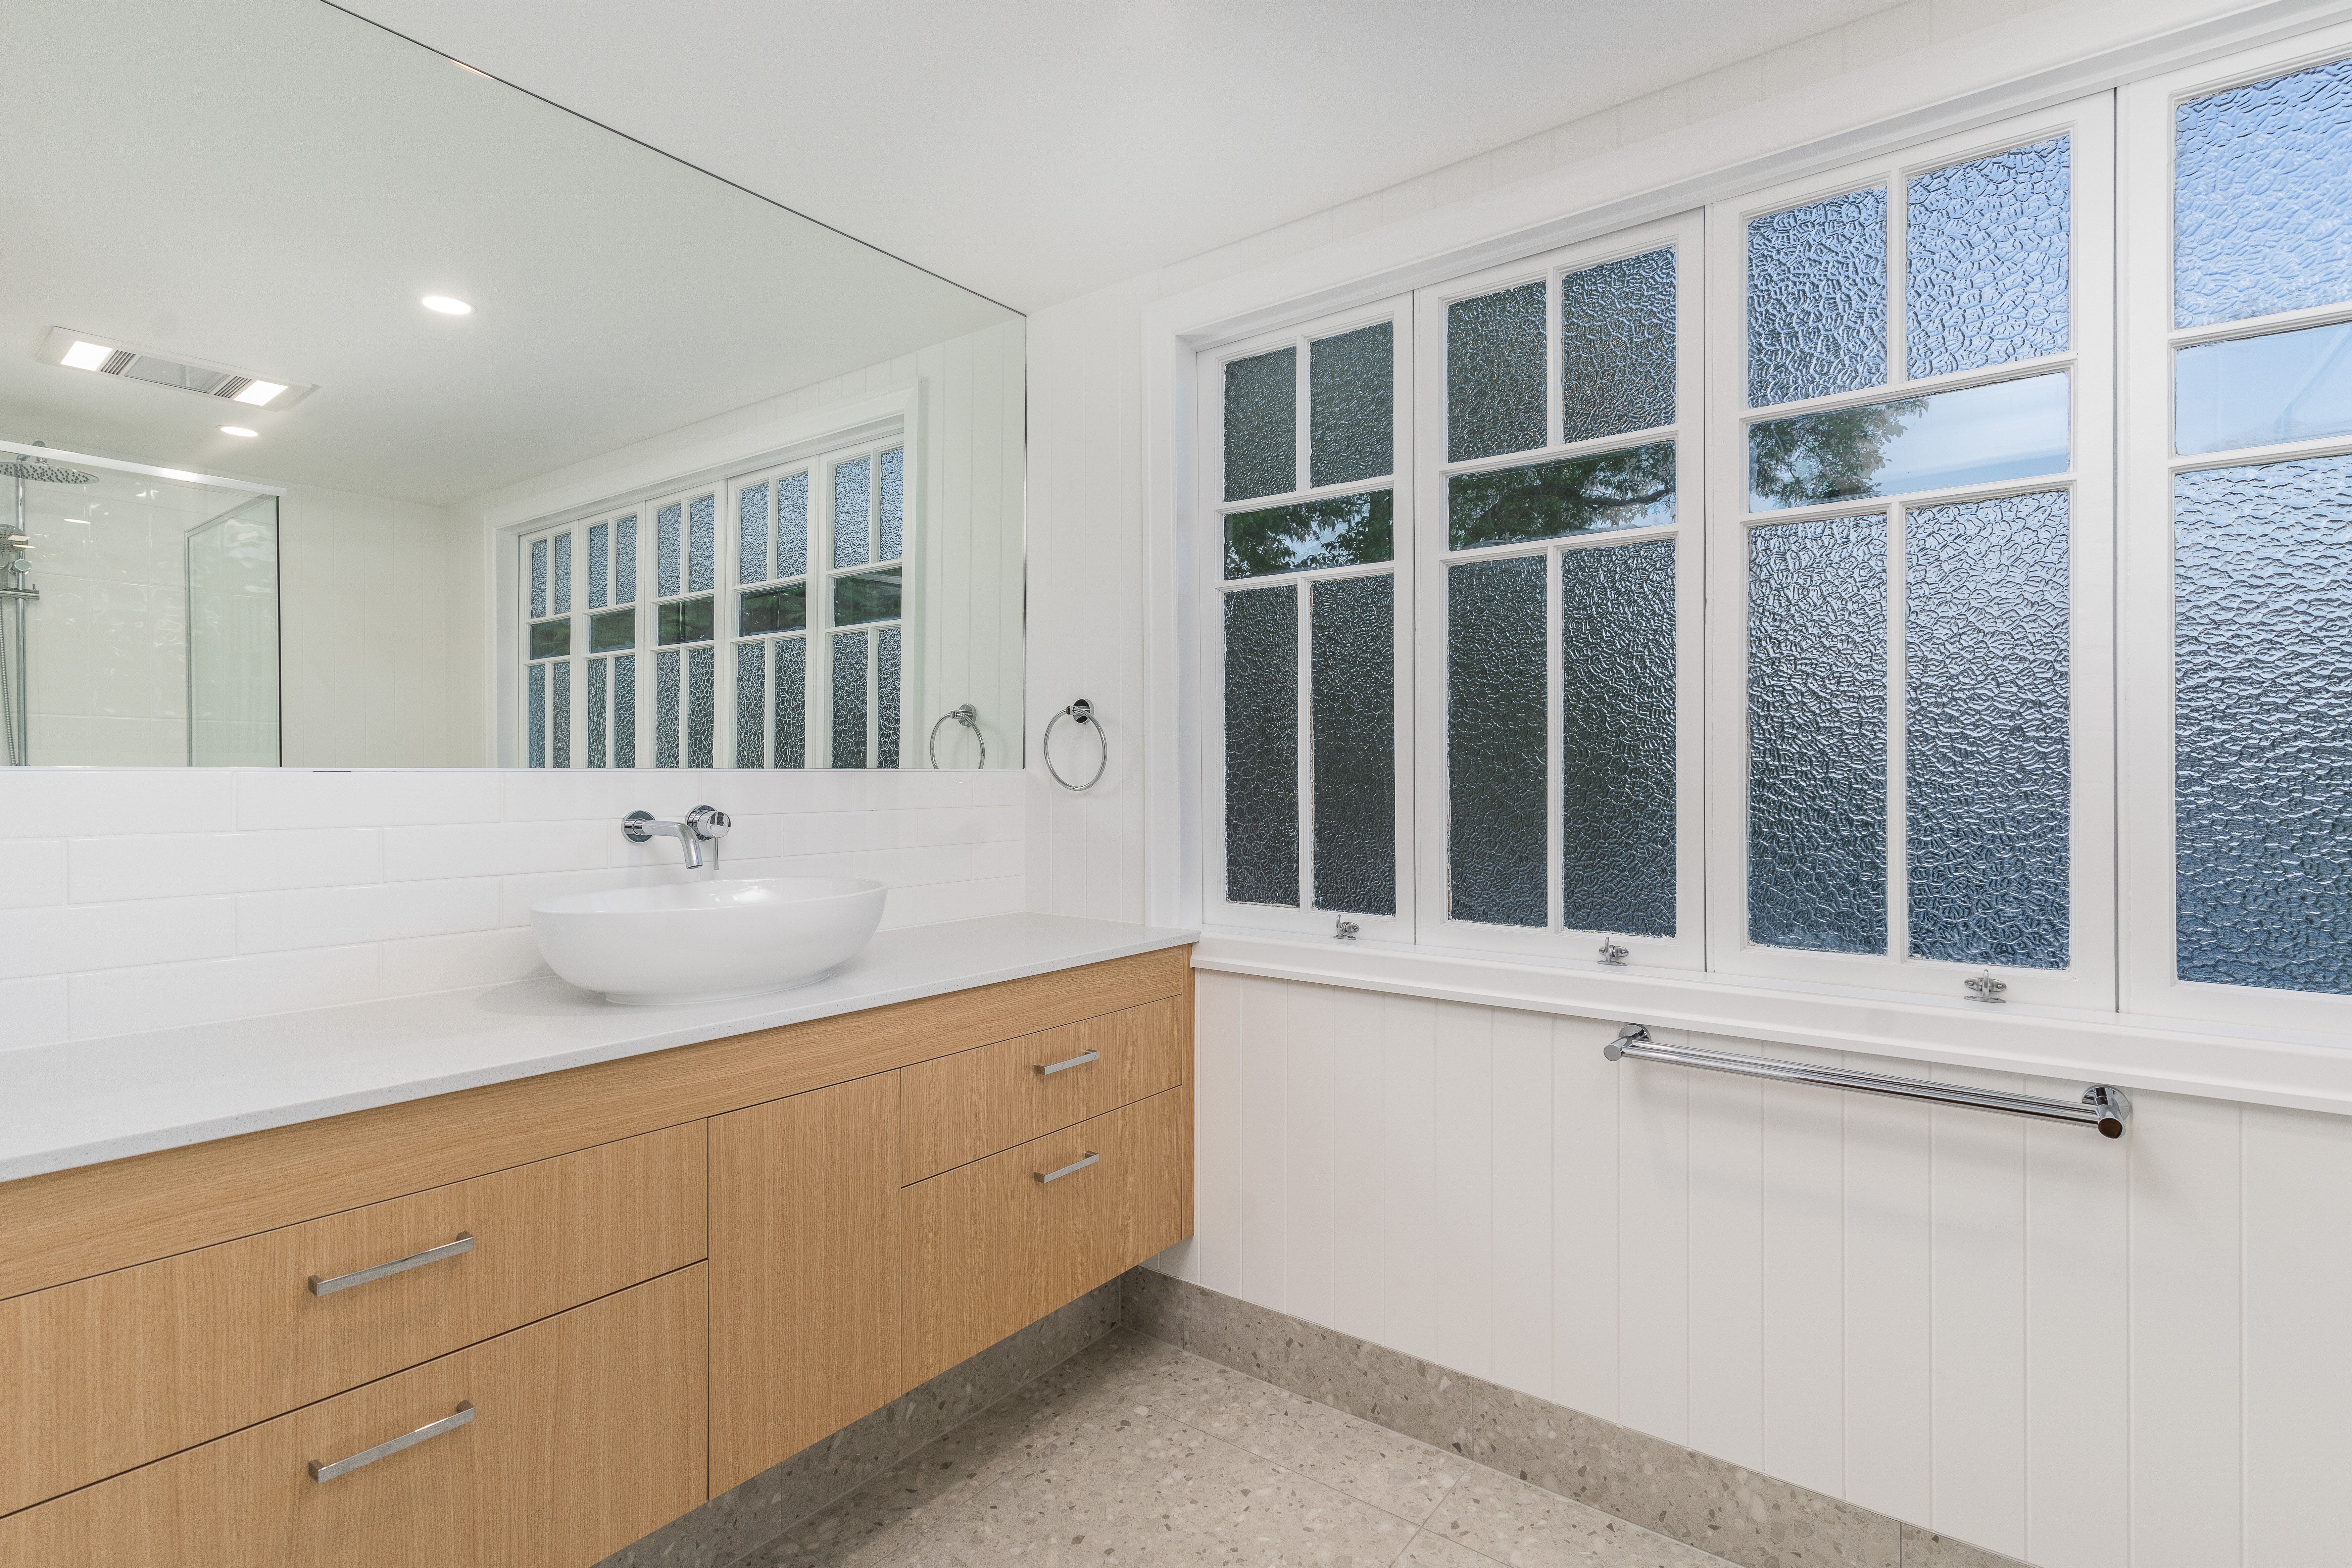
1432	555
2151	982
2088	982
1207	569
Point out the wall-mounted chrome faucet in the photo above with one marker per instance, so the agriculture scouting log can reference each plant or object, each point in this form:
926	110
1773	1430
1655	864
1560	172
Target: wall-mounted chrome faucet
704	824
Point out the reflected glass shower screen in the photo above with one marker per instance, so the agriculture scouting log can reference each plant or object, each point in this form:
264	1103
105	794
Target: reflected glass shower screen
234	686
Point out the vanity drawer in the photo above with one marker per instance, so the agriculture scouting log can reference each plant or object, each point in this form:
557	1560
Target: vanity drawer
111	1372
992	1249
965	1107
585	1432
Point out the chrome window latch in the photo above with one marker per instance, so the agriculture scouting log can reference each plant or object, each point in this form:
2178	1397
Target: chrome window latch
1343	929
1611	954
1985	989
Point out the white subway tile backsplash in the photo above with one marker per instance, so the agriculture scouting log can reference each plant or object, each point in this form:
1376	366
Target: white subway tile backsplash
62	938
178	865
380	911
166	996
32	1012
148	898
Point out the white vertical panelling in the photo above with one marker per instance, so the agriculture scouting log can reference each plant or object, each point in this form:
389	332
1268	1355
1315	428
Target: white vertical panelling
1584	1209
1522	1185
1310	1090
1804	1310
1977	1316
1462	1112
1359	1169
1653	1249
2187	1332
1726	1263
2078	1328
2018	1334
1408	1090
1886	1301
2297	1278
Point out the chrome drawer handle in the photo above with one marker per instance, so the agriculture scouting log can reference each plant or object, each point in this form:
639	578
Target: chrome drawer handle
319	1472
465	1243
1044	1176
1047	1069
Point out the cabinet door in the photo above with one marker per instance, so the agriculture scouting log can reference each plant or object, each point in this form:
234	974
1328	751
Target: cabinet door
586	1434
995	1245
805	1272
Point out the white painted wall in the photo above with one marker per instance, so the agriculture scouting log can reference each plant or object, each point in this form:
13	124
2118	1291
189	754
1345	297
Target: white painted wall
2089	1354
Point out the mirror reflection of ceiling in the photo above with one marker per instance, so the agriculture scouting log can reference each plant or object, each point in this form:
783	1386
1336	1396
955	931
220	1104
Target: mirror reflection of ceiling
274	185
1039	150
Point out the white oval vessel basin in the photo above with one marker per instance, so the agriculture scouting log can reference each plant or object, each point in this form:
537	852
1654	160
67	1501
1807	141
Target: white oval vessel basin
707	941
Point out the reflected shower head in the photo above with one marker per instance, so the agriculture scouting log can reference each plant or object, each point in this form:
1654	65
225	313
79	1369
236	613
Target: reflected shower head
25	465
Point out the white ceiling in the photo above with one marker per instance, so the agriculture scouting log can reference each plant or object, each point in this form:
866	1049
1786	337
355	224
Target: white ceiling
272	185
1037	151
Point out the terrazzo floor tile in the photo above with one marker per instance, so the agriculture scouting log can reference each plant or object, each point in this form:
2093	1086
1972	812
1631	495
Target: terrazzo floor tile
1136	1452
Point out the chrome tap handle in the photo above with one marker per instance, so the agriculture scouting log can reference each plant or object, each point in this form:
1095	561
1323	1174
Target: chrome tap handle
708	822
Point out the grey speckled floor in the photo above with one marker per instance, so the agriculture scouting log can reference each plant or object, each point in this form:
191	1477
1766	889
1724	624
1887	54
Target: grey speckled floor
1136	1452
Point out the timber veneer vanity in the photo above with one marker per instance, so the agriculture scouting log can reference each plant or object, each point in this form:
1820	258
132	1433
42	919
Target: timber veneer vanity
631	1285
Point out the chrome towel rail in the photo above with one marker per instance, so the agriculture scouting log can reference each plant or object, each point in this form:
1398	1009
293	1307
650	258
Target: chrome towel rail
2102	1106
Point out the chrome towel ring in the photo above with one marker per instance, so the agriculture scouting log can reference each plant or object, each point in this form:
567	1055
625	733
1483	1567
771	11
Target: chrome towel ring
969	717
1081	712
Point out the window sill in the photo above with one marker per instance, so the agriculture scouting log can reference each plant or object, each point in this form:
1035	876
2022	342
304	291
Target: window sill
2133	1052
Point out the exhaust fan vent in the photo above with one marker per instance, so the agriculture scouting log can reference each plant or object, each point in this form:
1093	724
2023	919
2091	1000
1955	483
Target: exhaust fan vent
80	351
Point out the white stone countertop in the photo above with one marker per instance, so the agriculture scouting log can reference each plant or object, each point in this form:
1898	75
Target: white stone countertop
81	1101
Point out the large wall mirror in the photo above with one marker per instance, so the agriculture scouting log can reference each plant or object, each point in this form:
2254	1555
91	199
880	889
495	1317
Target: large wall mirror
358	410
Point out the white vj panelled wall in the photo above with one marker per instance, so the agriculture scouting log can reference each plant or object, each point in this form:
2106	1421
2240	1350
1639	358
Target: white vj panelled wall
2087	1354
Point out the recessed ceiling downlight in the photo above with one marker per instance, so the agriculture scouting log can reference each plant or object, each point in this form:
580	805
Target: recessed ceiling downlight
85	356
237	430
445	305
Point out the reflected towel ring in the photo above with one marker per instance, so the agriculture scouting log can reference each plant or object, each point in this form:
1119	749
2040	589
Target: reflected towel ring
969	717
1081	711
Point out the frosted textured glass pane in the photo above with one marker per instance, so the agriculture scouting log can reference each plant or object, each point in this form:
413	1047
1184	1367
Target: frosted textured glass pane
1617	739
2262	197
792	703
1354	715
668	574
1986	761
600	565
791	525
2010	430
2263	724
1262	746
1496	842
701	704
1262	424
562	573
852	494
1495	373
624	711
624	561
701	545
1352	405
886	698
1617	347
1346	531
1817	735
559	727
1817	300
538	578
666	710
891	513
536	756
1986	279
751	704
599	732
849	700
1633	489
2252	392
751	533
